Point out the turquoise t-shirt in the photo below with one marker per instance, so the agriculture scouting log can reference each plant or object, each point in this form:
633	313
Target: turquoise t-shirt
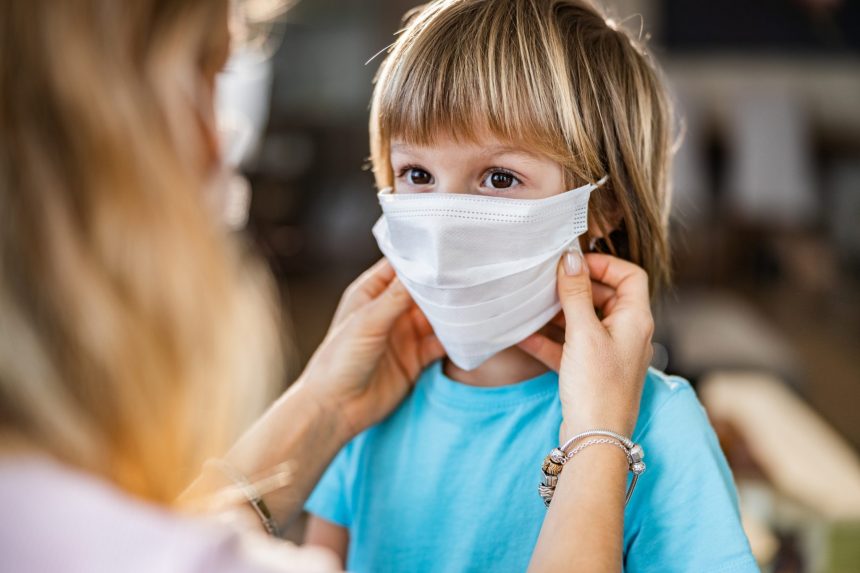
448	482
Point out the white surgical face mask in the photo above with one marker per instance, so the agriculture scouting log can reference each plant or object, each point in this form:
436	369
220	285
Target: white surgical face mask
482	269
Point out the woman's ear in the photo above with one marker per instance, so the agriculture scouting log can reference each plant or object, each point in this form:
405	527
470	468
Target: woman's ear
210	64
207	123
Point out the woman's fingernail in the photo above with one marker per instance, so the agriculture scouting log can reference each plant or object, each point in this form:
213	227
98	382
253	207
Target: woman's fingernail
572	263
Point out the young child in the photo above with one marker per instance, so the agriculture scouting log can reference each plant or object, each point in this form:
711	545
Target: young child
484	113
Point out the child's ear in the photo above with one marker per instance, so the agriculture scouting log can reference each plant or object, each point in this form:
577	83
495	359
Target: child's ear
595	232
616	243
603	219
606	233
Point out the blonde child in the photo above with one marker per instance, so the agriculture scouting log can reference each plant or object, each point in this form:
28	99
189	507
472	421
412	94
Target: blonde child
485	114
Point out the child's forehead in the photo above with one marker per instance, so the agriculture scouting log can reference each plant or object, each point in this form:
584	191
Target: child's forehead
480	144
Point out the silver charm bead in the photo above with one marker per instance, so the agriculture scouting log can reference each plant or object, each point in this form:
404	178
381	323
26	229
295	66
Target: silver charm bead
637	454
557	456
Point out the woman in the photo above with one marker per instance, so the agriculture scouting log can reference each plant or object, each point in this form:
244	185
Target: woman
135	335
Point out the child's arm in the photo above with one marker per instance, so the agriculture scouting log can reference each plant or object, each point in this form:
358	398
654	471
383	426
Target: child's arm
323	533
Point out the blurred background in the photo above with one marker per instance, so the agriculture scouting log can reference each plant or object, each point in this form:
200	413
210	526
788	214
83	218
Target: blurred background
764	315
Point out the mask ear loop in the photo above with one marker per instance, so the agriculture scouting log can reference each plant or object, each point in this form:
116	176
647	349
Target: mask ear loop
616	242
592	243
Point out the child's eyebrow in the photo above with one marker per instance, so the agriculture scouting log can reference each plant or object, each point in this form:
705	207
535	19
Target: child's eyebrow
491	151
509	150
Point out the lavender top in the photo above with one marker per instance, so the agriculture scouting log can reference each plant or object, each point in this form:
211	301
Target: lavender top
58	519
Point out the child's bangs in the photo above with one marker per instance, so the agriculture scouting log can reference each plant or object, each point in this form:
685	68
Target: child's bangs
486	74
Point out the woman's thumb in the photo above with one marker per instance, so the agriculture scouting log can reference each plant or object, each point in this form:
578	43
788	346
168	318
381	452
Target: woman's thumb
379	315
574	289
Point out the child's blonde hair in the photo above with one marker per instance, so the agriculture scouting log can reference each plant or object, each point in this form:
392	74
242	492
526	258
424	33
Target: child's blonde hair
555	75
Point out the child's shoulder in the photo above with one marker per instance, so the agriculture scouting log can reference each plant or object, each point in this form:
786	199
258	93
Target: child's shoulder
660	387
669	401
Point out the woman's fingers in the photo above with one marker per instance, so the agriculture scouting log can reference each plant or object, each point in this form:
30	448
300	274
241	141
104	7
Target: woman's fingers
372	323
627	314
378	307
430	350
574	291
543	349
420	323
369	285
629	281
376	318
603	297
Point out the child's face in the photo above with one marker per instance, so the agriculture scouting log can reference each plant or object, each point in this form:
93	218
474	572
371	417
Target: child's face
487	167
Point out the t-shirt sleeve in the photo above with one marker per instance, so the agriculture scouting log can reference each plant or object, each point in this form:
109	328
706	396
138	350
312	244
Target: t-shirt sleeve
684	515
330	498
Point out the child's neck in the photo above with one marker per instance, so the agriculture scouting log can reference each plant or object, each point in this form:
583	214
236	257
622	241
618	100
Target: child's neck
509	366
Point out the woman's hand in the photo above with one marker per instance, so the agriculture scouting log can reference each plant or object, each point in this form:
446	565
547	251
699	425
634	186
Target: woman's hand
374	351
602	361
377	345
601	364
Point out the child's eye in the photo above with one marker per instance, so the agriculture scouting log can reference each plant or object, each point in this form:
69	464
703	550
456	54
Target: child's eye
498	179
418	176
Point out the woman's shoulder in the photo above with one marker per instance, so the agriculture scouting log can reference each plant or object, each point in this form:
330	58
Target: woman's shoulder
86	524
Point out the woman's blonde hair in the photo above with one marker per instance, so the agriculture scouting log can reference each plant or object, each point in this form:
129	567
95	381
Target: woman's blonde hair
134	337
555	75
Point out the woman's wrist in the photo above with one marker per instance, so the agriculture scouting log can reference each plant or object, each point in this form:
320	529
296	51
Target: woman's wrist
283	454
577	425
325	406
610	459
588	507
606	466
556	460
328	407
